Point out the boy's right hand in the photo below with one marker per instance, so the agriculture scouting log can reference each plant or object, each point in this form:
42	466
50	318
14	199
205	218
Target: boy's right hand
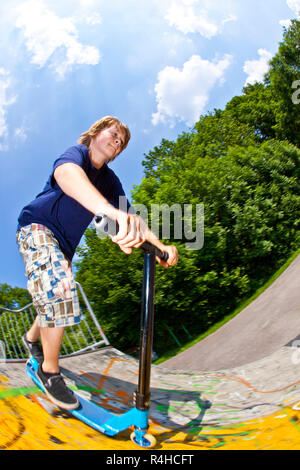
132	231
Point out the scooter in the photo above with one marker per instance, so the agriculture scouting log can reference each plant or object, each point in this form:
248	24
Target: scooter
138	417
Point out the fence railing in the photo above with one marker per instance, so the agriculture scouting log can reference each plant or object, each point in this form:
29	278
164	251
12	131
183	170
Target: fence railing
87	335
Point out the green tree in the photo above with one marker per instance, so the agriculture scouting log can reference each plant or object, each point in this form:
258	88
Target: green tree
242	164
256	109
268	107
251	198
13	297
284	71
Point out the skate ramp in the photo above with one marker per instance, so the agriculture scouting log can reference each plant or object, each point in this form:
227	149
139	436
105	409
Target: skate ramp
248	399
251	407
268	323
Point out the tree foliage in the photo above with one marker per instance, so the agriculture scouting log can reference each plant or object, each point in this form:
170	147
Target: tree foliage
242	164
13	297
268	107
252	205
284	72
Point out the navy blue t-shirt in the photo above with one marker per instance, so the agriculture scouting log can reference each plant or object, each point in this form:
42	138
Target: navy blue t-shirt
64	216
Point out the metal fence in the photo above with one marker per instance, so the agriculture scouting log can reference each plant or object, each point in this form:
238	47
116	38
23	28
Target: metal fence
87	335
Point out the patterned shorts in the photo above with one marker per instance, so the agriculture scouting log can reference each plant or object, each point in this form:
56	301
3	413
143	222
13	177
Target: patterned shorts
50	280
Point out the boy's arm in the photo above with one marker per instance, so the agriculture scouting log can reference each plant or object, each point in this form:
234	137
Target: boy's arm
74	182
133	231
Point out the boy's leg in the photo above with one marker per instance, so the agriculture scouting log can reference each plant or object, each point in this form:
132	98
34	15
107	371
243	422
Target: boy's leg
53	290
31	343
48	372
33	334
51	342
51	339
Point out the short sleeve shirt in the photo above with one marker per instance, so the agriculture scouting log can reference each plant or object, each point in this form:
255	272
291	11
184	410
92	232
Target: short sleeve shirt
64	216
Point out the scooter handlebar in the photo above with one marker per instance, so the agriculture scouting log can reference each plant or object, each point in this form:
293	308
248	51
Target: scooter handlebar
107	225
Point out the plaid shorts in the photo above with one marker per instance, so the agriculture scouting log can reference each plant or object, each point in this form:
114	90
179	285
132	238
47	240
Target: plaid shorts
50	280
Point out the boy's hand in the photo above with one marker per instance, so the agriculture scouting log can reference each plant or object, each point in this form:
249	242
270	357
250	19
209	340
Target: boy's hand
173	256
131	232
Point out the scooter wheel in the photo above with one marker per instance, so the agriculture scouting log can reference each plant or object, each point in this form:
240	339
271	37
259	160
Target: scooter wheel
147	440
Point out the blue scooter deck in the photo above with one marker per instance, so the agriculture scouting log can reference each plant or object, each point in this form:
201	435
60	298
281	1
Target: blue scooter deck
95	416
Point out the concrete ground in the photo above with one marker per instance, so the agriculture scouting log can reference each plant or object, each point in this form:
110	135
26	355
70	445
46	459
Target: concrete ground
264	326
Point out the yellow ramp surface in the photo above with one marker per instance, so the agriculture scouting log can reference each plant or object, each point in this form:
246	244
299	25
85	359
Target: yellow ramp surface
256	406
203	398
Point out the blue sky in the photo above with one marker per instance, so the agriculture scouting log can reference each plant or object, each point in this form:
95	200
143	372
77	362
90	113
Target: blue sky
156	64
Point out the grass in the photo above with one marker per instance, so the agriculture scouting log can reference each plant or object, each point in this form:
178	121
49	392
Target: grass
231	315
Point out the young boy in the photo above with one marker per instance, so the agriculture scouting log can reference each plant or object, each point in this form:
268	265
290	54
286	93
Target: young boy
80	186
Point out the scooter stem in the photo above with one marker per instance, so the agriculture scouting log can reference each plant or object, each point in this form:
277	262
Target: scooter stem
146	337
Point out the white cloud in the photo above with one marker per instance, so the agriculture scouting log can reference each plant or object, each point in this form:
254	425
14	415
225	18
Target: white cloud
183	94
285	23
256	69
52	40
175	43
294	5
5	100
95	18
89	3
189	16
20	134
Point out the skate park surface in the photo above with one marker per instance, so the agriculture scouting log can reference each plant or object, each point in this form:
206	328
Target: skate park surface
238	389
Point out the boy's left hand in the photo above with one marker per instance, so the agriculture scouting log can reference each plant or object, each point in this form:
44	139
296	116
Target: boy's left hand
173	256
170	249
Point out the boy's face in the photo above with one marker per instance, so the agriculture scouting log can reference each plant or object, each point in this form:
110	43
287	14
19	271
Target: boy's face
109	142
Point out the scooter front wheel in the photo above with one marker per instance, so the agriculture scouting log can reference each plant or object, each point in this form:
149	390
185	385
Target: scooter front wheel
147	440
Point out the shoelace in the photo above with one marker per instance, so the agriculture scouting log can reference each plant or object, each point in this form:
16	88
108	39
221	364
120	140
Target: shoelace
58	381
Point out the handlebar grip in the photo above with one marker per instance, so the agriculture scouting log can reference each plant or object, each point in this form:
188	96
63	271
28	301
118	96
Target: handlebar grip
107	225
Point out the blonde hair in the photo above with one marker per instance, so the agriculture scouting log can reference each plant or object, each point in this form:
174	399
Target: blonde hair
103	123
